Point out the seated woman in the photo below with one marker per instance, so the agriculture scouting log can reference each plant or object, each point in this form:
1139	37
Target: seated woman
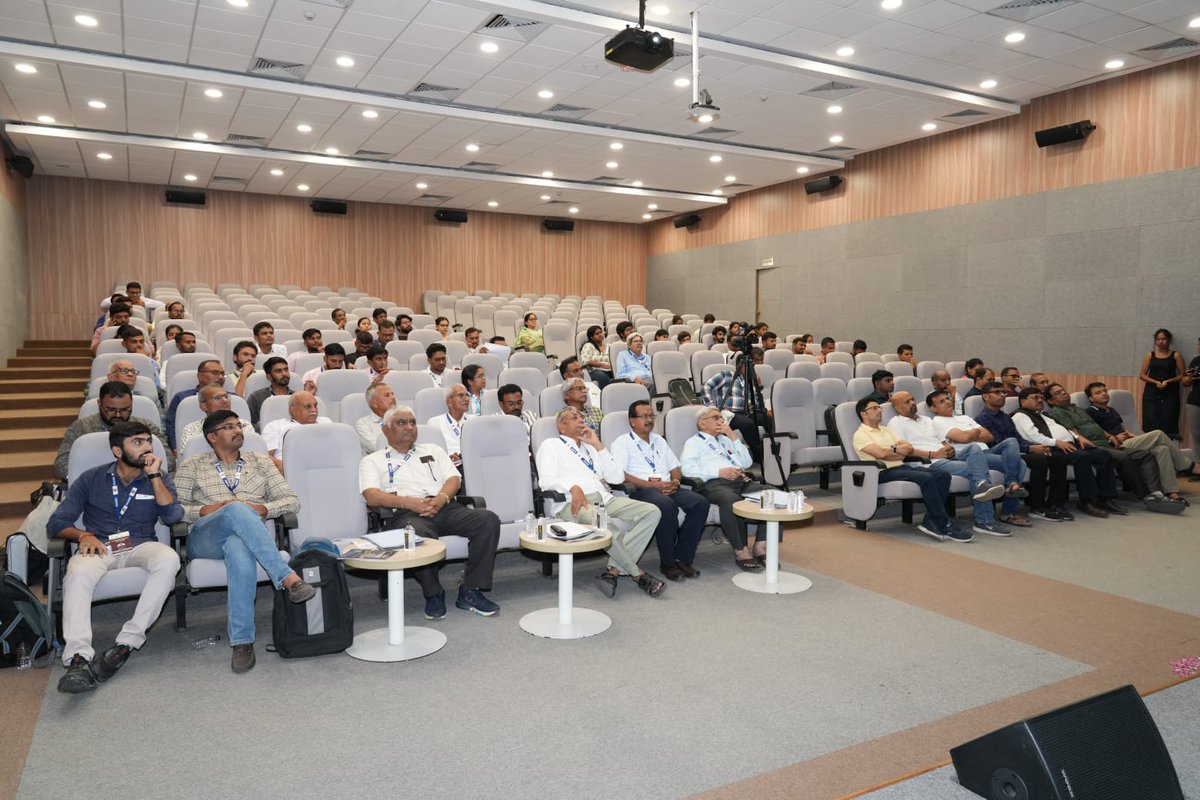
530	337
594	355
443	328
475	379
633	365
363	326
716	457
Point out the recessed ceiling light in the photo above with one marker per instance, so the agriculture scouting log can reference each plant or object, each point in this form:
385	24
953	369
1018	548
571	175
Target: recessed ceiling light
214	93
730	178
489	47
304	128
611	165
834	109
1116	63
802	170
28	69
86	20
652	206
545	198
238	3
302	187
104	156
492	204
277	172
836	139
638	184
572	210
715	159
616	146
1195	23
988	84
647	216
545	94
46	118
472	148
704	119
929	126
547	174
660	10
718	191
333	151
683	82
845	51
422	185
344	61
890	5
370	113
97	104
189	177
199	135
1014	37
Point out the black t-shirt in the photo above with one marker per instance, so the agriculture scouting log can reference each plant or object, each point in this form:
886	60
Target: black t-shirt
1193	397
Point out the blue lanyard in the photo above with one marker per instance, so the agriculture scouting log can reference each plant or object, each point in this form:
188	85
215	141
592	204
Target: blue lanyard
477	404
638	443
392	470
237	478
455	429
119	509
587	462
722	452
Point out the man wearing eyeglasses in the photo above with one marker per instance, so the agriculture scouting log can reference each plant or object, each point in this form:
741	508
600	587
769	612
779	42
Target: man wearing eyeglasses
120	503
575	394
213	397
1011	378
114	405
227	495
209	371
654	472
125	372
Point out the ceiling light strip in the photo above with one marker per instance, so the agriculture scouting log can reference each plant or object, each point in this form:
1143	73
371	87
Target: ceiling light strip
164	69
187	145
908	86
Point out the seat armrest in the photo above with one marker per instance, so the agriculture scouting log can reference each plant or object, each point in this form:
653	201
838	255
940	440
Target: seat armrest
691	483
56	548
471	500
876	464
180	530
916	460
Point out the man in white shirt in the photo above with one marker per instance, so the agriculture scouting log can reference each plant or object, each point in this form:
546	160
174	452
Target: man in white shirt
970	462
512	402
472	338
264	337
302	410
571	367
943	383
418	482
1095	478
576	464
312	344
133	290
458	400
335	358
213	397
654	472
435	354
498	346
380	399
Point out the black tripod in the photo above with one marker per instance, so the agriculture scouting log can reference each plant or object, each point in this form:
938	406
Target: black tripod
756	409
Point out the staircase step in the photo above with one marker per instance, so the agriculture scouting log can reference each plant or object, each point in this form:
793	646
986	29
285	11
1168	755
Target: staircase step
41	374
54	352
43	343
40	386
37	417
14	498
27	466
25	362
44	401
25	440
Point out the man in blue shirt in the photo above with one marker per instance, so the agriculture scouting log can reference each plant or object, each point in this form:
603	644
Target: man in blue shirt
207	372
120	503
727	392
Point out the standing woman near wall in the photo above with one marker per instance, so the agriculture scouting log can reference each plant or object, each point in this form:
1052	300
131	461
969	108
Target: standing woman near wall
1162	371
1193	404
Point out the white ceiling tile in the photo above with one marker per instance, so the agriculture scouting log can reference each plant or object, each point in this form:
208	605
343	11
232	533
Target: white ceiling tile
156	30
182	12
544	57
210	39
354	44
1163	10
844	23
798	12
571	40
372	25
25	11
28	30
754	30
716	21
803	41
1066	19
979	28
1144	37
1045	44
935	15
425	36
1106	28
449	15
285	51
306	35
889	34
217	59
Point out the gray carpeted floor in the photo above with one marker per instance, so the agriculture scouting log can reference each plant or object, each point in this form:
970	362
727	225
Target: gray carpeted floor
684	693
1176	712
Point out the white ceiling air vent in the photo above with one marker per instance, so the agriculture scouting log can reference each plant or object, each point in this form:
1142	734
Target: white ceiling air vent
514	29
564	110
716	133
559	203
1167	49
277	69
432	199
1022	10
481	165
243	138
833	90
227	182
378	155
424	89
966	115
605	179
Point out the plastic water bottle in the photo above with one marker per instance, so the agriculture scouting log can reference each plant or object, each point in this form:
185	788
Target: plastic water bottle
410	538
207	641
23	659
602	518
530	524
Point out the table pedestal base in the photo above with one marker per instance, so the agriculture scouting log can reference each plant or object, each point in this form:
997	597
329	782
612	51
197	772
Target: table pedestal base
418	642
584	622
785	583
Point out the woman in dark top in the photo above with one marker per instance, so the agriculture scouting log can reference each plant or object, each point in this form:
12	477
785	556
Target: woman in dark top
1162	371
1193	405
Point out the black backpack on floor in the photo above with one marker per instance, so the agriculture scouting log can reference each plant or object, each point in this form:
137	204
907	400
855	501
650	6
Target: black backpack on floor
682	393
23	620
323	624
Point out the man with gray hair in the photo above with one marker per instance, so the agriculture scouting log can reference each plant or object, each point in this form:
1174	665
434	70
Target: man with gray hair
575	395
380	398
449	425
213	397
302	410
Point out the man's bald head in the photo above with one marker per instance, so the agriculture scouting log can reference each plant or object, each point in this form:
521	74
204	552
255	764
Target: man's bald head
303	407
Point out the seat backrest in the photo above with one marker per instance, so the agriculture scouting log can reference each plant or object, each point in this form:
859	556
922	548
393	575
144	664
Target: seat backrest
614	425
492	365
653	348
963	385
92	450
189	411
829	392
495	460
141	363
530	379
321	464
546	427
504	322
690	348
898	368
843	347
429	404
710	371
925	369
832	369
526	359
1079	399
859	387
907	383
559	340
182	362
618	396
809	370
973	405
700	360
334	384
864	369
679	426
352	408
402	351
1121	401
276	407
425	336
143	387
867	356
847	422
143	407
668	365
838	357
406	385
792	407
550	401
956	368
779	359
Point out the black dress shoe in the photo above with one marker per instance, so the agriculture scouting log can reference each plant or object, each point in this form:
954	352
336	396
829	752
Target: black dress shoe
78	678
243	658
1111	507
672	572
688	570
1092	510
108	662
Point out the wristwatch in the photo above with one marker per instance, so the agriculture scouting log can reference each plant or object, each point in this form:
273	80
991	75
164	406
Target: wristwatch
152	475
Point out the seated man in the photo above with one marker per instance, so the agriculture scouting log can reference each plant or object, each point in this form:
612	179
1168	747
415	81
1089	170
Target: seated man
594	356
226	500
981	377
683	337
472	337
404	327
1011	378
363	342
185	342
312	344
727	391
450	424
125	372
970	460
338	315
905	354
437	360
653	470
379	316
798	346
1166	453
133	339
769	340
1039	381
208	372
624	328
387	332
1095	479
244	354
576	464
419	482
970	366
717	458
176	310
117	531
118	315
212	398
133	292
719	334
380	399
858	346
570	367
883	382
264	337
633	365
1137	468
662	335
377	357
873	442
302	410
942	383
828	345
279	379
576	395
512	402
335	358
498	346
114	405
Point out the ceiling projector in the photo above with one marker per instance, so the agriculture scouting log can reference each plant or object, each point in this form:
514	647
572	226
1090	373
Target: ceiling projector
640	49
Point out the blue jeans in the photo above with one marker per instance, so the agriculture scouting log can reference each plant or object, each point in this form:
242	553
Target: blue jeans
236	535
972	464
935	488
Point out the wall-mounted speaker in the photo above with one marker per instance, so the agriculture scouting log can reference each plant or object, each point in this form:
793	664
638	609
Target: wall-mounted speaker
320	206
686	221
23	166
187	197
552	224
450	215
824	184
1106	747
1065	133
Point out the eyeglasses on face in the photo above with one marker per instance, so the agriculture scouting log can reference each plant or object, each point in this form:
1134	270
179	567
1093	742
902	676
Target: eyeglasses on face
645	416
126	371
230	426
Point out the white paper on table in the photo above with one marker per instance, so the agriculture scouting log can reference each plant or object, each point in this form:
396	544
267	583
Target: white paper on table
779	501
388	539
573	530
